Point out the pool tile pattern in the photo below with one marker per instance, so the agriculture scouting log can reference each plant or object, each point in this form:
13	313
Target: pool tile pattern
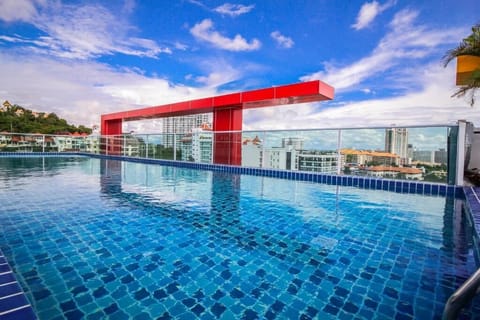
472	200
13	303
244	252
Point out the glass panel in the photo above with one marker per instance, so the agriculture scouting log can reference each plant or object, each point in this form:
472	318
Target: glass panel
312	150
252	148
427	149
399	153
414	153
196	146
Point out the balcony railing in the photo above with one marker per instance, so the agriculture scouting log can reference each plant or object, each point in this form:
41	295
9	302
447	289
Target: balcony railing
429	153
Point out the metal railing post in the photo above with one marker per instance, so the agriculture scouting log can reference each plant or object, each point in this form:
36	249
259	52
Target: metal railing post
175	147
462	297
339	155
124	151
264	140
146	146
460	161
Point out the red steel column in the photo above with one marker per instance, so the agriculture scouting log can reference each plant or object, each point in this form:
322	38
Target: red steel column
227	146
111	145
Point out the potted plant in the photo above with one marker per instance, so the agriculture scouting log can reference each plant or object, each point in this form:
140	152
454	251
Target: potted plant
467	54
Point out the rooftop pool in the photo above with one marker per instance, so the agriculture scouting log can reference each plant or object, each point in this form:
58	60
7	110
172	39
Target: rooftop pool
97	238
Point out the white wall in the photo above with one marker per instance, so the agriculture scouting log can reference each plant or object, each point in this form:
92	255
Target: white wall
475	153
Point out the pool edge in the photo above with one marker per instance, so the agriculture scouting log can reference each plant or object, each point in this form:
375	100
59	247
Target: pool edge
14	303
392	185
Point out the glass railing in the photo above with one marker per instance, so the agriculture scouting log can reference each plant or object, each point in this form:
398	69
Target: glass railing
24	142
413	153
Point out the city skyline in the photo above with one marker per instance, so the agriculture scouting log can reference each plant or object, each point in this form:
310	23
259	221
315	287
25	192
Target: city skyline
81	59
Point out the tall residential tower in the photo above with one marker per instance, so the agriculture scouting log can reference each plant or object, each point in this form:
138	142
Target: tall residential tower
182	125
396	142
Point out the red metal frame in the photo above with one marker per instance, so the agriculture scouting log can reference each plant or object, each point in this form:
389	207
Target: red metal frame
227	113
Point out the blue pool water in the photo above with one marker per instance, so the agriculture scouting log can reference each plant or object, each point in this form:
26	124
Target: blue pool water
95	239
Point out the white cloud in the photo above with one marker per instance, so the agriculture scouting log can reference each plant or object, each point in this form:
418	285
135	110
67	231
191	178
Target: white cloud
425	91
80	92
18	10
430	104
368	12
180	46
405	44
233	10
219	74
282	41
204	31
198	3
84	31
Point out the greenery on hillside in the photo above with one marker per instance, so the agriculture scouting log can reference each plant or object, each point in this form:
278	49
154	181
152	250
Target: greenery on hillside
14	118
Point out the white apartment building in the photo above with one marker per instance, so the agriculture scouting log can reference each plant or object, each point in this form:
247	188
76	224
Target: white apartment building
181	125
197	146
317	161
280	158
425	156
288	157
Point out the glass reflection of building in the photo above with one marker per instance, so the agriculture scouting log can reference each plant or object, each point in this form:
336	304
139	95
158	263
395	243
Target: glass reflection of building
396	141
181	125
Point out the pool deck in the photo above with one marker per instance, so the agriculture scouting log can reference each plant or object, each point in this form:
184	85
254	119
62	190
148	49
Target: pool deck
13	302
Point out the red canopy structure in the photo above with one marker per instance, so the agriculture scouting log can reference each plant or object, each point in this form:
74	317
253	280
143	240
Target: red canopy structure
227	113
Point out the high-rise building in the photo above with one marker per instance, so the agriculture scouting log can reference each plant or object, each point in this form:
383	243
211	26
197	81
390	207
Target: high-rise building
197	146
295	143
426	156
441	156
181	125
396	141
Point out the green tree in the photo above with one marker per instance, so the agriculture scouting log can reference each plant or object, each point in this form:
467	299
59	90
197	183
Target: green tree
21	120
469	46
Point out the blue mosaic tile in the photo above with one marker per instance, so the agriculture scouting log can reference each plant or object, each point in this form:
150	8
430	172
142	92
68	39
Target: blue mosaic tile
13	302
210	244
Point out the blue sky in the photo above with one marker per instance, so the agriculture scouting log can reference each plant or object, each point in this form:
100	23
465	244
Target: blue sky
81	59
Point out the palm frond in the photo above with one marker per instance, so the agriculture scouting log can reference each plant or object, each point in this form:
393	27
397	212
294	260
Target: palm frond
469	46
471	87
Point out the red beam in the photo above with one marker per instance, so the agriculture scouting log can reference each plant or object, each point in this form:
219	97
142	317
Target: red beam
227	113
281	95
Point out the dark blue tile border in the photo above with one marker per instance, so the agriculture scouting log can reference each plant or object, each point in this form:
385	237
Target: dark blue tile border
400	186
472	204
38	154
13	302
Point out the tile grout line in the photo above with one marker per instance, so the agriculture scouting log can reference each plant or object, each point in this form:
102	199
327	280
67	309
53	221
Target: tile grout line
8	283
11	295
15	309
475	194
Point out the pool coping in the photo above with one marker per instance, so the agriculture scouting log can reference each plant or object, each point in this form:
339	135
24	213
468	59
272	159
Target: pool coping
13	301
472	203
393	185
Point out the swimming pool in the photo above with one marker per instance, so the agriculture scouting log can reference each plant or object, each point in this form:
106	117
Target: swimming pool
95	238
